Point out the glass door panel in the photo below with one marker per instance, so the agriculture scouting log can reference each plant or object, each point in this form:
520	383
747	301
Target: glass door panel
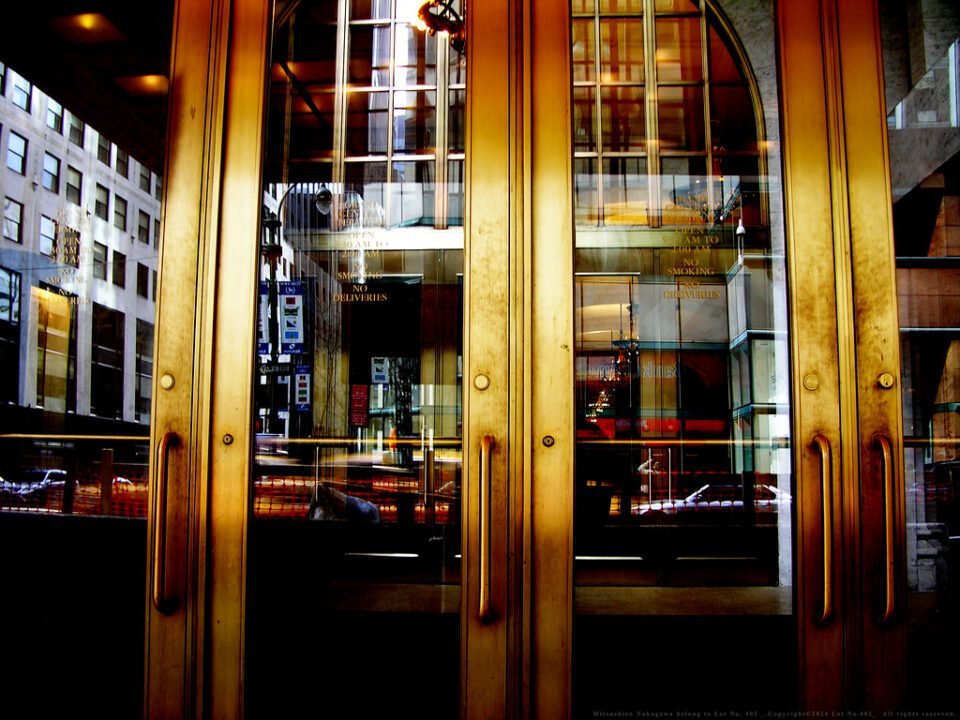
923	106
356	496
83	110
683	543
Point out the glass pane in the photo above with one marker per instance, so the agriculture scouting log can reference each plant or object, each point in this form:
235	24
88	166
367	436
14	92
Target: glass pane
412	188
415	57
613	7
625	191
366	9
584	123
584	50
621	57
75	423
624	120
367	123
455	192
924	137
357	473
679	50
680	120
732	120
456	130
724	68
369	55
414	122
586	201
671	6
683	478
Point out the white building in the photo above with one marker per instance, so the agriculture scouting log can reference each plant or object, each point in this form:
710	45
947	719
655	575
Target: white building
78	262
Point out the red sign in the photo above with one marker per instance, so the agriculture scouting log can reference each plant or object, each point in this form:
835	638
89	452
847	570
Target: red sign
359	404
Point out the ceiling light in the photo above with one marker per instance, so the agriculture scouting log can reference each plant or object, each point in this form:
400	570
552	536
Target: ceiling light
144	85
87	28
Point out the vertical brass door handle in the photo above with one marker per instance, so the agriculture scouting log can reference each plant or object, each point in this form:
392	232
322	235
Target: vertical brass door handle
889	517
826	490
485	613
161	601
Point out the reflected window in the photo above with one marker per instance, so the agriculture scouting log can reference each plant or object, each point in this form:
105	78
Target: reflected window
119	269
74	185
99	261
12	220
51	173
56	348
143	227
640	118
48	236
681	369
77	129
9	335
101	202
54	115
122	163
404	101
22	92
119	213
144	370
143	280
106	370
103	149
17	153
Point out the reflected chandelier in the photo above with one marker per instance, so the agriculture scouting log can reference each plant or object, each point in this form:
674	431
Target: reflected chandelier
438	16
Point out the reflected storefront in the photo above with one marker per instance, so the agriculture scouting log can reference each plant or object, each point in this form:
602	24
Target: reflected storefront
571	358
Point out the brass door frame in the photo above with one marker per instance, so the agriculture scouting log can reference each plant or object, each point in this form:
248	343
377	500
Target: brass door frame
181	384
549	357
878	580
490	676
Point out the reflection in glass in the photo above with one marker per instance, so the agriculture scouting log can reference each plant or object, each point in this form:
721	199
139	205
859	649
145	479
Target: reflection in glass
359	357
626	191
586	201
679	54
584	50
624	122
680	116
670	6
584	123
415	57
455	125
924	140
732	119
368	9
621	56
414	121
75	423
612	6
370	55
681	385
367	123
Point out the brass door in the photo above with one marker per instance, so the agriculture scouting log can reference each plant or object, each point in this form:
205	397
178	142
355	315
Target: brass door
707	410
106	124
863	615
716	521
362	550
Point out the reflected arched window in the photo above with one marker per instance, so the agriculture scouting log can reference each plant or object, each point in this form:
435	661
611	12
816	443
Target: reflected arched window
666	127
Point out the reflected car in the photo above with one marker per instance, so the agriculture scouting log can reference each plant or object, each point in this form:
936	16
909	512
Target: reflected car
33	482
713	499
